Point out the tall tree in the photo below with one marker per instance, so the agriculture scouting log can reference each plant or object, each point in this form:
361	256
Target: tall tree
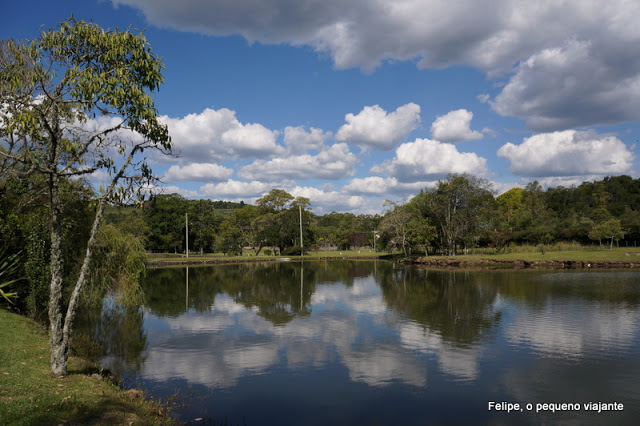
459	208
74	101
396	225
164	216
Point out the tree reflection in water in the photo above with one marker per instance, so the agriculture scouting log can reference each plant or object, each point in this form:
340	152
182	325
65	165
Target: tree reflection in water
457	305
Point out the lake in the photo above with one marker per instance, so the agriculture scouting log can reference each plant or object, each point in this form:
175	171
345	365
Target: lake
372	342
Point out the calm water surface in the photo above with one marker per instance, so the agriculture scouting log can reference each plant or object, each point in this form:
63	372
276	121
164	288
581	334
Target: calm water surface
372	342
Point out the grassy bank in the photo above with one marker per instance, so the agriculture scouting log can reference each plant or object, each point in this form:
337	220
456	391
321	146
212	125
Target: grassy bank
584	254
559	252
30	396
586	257
248	255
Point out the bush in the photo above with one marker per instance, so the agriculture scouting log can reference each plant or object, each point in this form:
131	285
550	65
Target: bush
295	251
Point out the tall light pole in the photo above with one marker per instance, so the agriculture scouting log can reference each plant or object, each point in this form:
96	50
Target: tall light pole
301	244
375	234
186	222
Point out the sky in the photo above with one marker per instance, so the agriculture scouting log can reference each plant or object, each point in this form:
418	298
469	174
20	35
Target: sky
352	103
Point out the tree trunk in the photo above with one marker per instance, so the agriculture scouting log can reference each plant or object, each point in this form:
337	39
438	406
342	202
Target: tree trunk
58	345
84	270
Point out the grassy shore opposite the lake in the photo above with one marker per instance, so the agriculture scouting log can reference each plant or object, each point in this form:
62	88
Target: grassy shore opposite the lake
29	395
585	257
521	256
161	259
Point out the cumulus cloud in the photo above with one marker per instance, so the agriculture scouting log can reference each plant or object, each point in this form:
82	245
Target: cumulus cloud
574	52
374	127
335	162
328	201
214	135
454	126
361	33
376	185
234	189
578	84
372	185
568	153
298	140
172	189
426	160
200	172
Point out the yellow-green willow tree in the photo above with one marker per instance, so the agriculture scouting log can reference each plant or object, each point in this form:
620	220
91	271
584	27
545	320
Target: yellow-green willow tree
75	101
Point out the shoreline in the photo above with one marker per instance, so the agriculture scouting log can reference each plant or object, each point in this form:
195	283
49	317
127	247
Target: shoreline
437	262
200	262
486	263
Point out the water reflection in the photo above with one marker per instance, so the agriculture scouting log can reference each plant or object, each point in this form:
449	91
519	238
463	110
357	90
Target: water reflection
113	333
412	335
456	306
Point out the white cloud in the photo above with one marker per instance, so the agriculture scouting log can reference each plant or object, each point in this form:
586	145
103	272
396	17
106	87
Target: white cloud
426	160
201	172
172	189
568	153
298	140
237	190
387	187
578	84
214	135
372	185
454	127
579	61
327	201
251	140
374	127
334	162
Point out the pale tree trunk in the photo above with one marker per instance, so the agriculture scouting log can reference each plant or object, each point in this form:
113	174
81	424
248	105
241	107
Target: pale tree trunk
58	346
84	270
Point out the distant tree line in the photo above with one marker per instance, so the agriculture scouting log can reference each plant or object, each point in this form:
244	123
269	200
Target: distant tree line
459	213
271	226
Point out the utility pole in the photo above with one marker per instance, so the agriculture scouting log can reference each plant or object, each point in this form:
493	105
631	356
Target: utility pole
301	244
374	240
186	222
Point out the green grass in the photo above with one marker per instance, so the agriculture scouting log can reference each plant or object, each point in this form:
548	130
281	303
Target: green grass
586	253
561	251
29	395
249	254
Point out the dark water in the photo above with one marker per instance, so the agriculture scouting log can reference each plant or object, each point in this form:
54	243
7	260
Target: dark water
376	343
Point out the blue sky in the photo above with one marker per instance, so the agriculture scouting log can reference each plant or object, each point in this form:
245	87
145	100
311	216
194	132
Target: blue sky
352	103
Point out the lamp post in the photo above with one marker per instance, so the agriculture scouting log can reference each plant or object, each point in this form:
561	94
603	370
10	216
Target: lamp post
301	243
186	222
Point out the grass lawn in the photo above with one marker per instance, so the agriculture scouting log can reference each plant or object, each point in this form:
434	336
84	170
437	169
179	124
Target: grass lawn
29	395
585	254
249	254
